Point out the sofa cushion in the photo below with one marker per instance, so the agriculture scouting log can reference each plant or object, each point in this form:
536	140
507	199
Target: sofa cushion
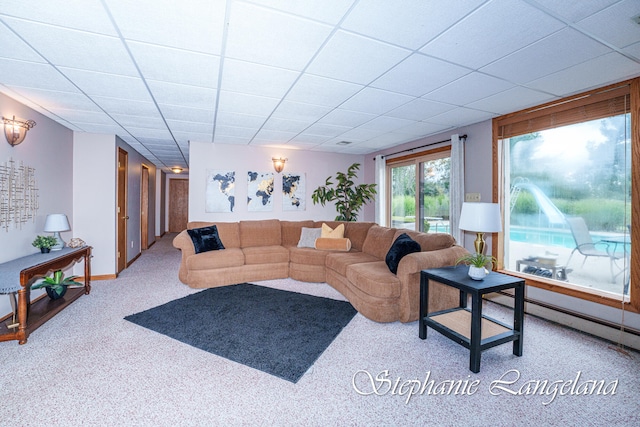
332	233
229	232
291	231
308	237
258	233
339	261
375	279
307	256
357	233
265	255
205	239
216	259
403	245
429	241
328	244
378	241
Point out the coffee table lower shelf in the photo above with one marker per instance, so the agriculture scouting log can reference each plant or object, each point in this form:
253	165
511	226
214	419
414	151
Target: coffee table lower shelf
455	324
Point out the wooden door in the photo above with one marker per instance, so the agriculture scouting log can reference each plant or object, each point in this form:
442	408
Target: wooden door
144	208
121	211
178	205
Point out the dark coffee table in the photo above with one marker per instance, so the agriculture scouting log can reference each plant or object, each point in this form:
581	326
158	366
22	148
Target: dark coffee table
470	328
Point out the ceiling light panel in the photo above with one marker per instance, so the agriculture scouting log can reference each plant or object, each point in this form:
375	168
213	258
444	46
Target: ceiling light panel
273	38
347	48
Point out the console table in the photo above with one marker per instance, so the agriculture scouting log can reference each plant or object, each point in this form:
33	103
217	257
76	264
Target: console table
470	328
19	274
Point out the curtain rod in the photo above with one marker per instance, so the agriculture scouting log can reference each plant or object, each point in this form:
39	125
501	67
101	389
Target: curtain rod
423	146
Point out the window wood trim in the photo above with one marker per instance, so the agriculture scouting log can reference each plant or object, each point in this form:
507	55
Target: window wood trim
632	87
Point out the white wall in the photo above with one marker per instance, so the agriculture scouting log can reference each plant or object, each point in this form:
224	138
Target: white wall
240	158
94	176
47	148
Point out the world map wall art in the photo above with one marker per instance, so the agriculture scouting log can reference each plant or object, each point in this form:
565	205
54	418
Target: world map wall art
293	192
220	191
260	191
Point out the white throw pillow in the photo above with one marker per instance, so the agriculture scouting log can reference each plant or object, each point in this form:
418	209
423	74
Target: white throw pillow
308	237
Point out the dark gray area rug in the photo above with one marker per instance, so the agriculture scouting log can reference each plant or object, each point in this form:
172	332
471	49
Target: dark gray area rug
278	332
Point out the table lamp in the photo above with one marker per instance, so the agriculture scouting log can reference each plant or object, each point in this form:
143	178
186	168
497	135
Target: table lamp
55	223
480	218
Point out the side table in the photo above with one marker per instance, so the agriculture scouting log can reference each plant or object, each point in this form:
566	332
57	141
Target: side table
470	328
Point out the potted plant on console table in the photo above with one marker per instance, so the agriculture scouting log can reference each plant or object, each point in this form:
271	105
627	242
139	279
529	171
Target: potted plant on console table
44	243
56	286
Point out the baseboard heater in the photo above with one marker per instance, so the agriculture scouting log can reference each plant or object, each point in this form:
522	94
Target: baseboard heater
582	316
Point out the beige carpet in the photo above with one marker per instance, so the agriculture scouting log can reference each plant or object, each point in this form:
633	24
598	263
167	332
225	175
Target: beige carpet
90	367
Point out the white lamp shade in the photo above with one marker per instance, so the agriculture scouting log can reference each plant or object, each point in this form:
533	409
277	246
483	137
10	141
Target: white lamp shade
56	222
480	217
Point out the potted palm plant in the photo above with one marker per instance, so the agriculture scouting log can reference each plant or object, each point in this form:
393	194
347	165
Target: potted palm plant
56	286
349	197
44	243
478	264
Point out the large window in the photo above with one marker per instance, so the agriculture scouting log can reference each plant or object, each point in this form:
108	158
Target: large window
566	188
420	192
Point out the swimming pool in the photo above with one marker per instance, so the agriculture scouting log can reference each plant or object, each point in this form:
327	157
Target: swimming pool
551	237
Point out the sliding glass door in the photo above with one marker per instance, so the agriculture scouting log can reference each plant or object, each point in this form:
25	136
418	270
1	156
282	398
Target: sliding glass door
420	192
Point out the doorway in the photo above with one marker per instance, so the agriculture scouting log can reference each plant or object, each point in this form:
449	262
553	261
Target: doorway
178	205
121	211
144	208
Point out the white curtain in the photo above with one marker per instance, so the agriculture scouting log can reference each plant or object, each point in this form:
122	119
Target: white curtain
456	186
381	188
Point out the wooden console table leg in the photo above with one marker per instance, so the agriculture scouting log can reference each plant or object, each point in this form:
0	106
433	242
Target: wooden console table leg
23	306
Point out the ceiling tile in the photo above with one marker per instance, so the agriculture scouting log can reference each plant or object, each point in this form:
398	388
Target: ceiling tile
131	107
13	47
33	75
560	50
87	15
235	102
469	88
256	79
368	58
496	29
418	75
53	100
322	91
614	24
340	117
461	117
176	112
568	10
196	26
108	85
257	34
300	112
328	11
176	65
588	75
375	101
502	102
91	51
182	95
408	23
386	123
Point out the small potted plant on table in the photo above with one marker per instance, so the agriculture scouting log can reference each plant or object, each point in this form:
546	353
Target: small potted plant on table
478	264
56	286
44	243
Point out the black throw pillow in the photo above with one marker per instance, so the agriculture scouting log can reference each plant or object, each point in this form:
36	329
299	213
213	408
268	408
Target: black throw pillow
403	245
206	239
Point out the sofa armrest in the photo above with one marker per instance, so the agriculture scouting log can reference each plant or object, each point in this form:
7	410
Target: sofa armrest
183	242
441	296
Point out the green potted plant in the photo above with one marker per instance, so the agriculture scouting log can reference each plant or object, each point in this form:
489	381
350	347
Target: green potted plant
349	197
56	286
478	264
44	243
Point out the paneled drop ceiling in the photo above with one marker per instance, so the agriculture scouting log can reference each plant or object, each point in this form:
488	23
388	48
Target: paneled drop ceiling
304	74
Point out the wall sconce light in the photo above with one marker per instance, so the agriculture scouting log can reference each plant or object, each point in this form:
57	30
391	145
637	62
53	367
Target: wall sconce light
16	130
278	163
176	169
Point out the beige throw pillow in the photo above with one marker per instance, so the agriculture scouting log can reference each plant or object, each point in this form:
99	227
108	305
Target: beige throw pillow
328	232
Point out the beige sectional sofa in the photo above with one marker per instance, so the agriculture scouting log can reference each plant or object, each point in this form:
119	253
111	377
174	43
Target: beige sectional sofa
268	249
